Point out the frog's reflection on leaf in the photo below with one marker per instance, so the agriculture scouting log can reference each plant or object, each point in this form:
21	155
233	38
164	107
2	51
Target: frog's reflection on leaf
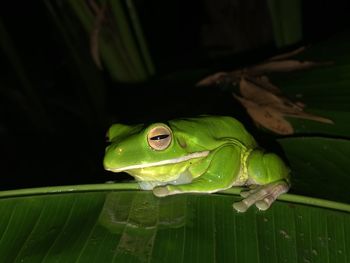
137	216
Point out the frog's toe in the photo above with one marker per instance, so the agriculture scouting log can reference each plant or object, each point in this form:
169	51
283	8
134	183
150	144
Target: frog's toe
161	191
271	195
251	190
265	203
244	194
240	207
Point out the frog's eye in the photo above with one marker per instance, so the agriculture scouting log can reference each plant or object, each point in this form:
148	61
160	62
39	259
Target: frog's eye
159	138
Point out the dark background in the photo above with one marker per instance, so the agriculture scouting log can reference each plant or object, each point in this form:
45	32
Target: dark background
56	135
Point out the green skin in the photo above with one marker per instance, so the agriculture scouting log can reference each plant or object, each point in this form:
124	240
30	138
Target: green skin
198	155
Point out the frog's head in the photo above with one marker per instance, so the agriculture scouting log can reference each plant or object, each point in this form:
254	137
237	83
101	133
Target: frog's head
154	153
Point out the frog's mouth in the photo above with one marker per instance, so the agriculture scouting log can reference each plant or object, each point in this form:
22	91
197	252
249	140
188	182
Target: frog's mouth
159	163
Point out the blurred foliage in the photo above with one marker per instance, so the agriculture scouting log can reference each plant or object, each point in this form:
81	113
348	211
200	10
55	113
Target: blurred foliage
115	35
53	87
56	104
286	19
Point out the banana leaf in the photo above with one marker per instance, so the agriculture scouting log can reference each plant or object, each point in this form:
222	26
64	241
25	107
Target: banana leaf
115	223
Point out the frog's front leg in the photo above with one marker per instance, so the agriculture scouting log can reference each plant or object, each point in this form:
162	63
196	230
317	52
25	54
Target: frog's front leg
221	174
270	178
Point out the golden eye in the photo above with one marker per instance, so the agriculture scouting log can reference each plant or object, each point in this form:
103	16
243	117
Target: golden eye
159	138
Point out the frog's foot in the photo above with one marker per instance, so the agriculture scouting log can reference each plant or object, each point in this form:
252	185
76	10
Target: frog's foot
161	191
262	196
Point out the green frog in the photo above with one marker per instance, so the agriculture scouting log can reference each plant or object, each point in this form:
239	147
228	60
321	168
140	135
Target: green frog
206	154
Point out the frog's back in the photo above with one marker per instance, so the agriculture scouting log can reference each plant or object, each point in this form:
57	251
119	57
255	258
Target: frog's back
220	128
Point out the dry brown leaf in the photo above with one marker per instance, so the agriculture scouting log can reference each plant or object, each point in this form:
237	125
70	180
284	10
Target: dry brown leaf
268	109
212	79
278	63
288	54
261	96
253	92
282	66
279	103
266	117
263	100
264	82
309	116
258	70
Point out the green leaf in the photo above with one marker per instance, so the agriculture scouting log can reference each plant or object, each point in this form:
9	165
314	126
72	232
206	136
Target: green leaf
73	224
319	166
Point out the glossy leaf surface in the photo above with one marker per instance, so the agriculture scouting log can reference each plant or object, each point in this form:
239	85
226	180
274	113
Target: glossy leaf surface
134	226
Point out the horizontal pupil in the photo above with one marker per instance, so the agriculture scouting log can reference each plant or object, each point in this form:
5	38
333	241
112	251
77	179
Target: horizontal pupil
159	137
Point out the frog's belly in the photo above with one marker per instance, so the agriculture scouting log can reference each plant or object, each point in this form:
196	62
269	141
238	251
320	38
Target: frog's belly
183	178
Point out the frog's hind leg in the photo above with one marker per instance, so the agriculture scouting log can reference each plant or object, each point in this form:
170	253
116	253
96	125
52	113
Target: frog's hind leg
221	173
262	196
271	175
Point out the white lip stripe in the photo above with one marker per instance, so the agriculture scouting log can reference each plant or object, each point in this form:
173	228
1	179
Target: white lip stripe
170	161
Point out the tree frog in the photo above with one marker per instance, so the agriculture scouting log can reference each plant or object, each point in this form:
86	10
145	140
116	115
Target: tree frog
197	155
